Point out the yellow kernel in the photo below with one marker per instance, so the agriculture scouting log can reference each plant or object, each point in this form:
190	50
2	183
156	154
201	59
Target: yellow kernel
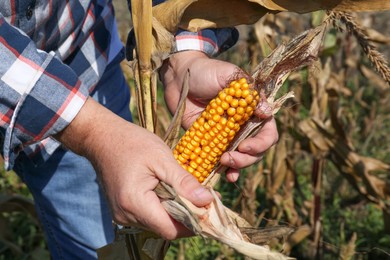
225	105
193	164
207	149
242	80
237	85
245	86
240	110
220	111
249	110
207	126
201	121
216	118
181	158
230	125
253	104
222	95
218	101
200	179
245	93
217	150
232	91
245	117
194	143
190	146
221	145
212	111
211	144
229	98
219	127
198	160
193	156
181	149
190	169
223	121
205	165
237	117
213	104
197	139
242	103
204	175
211	123
238	93
197	150
249	99
234	103
213	154
195	125
197	174
198	134
231	111
233	83
203	155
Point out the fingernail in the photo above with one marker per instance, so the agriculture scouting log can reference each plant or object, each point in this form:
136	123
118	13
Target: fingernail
203	194
245	149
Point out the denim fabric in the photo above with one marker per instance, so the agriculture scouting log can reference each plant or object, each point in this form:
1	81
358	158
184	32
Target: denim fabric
69	202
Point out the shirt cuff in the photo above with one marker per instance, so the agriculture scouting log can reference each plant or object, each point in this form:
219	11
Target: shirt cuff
52	99
210	41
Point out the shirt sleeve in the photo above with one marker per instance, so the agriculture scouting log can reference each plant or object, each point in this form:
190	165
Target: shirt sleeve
39	95
210	41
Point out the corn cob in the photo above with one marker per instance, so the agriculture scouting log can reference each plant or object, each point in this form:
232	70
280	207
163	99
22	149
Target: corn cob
201	147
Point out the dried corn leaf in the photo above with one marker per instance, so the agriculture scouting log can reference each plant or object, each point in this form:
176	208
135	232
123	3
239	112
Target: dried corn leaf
357	169
194	15
304	6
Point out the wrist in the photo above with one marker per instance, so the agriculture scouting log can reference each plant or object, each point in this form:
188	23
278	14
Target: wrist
91	124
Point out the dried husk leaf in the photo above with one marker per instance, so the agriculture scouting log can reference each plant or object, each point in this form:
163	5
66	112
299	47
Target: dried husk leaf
303	6
195	15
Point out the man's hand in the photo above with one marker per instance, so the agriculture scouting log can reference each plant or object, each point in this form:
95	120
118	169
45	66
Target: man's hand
207	78
130	161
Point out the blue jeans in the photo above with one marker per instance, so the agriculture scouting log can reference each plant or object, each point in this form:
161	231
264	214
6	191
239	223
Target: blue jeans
70	204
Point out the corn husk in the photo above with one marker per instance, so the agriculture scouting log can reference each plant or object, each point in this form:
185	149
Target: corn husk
217	221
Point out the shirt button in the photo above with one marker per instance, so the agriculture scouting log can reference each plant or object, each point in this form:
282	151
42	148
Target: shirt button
29	12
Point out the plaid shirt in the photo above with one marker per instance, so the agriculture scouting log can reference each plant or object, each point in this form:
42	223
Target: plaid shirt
52	55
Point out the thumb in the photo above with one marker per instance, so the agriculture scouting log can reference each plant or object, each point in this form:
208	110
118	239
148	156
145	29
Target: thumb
187	185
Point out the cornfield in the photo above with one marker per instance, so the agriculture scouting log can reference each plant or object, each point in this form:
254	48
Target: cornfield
323	191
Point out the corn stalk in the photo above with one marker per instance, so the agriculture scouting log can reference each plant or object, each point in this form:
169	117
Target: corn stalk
145	80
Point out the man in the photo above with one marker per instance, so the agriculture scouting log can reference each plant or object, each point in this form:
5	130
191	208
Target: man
65	122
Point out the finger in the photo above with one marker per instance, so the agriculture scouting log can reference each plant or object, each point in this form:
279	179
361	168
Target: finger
264	109
263	140
157	219
184	183
238	160
232	175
